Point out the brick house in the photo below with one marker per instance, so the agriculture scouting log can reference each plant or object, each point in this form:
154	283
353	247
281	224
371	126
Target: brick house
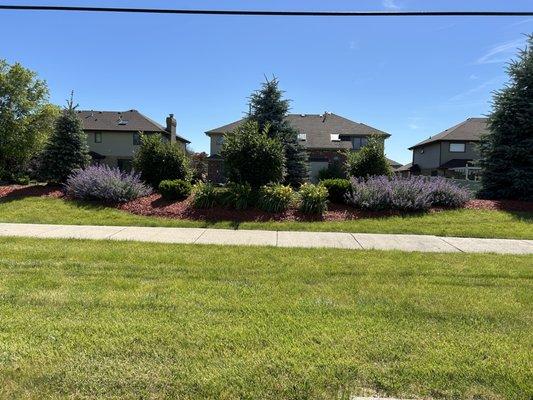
326	137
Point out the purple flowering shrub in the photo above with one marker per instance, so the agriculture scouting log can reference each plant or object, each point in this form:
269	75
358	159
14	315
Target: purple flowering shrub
416	193
100	182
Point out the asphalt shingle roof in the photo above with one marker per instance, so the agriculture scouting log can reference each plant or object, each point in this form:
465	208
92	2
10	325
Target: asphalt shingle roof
469	130
110	121
318	129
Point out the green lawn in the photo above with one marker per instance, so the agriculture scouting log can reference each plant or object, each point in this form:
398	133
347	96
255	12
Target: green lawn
94	319
473	223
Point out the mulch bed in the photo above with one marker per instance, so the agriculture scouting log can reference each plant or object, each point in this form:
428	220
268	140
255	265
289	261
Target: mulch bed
155	205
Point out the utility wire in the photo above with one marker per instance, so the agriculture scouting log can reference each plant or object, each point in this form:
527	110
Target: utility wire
276	13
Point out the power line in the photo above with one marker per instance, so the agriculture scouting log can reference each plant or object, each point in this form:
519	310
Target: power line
276	13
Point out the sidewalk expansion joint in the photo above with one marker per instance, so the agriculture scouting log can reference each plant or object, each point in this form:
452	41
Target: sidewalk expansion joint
448	243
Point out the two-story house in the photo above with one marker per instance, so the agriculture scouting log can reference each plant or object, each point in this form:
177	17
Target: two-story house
325	137
449	153
113	136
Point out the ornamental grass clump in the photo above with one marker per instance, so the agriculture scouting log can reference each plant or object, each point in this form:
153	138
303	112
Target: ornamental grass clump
100	182
416	193
275	198
205	195
237	195
313	199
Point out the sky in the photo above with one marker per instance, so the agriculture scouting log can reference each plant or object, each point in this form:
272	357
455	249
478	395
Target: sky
411	77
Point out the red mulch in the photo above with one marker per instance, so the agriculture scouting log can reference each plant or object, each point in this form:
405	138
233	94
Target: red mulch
18	191
155	205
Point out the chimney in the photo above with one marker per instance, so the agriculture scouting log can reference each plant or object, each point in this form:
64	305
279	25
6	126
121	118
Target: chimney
171	127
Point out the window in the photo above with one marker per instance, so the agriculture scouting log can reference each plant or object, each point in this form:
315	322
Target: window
98	137
335	137
302	136
457	147
220	140
136	139
358	142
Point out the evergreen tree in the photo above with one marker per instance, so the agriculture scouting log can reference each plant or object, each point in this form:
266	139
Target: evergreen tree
507	151
67	148
269	109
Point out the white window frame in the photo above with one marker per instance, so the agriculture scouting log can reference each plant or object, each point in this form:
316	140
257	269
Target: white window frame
461	145
302	137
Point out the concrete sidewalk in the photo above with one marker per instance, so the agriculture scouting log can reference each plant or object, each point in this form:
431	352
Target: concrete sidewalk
355	241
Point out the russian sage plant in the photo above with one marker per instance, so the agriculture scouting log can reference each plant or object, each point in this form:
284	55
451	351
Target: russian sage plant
100	182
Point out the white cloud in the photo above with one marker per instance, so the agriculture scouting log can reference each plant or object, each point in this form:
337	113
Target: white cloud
354	45
473	77
491	83
501	52
414	123
390	4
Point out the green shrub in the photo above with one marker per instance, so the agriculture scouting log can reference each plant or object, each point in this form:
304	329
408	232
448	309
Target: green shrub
313	199
338	189
237	195
250	156
275	198
205	195
157	160
369	161
334	170
175	189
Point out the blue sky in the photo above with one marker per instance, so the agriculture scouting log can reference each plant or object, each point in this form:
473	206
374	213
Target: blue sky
411	77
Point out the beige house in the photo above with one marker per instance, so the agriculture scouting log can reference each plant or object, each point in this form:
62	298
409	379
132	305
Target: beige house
113	136
326	137
452	153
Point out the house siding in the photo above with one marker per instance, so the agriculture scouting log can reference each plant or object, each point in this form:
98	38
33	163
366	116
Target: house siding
471	151
115	146
428	160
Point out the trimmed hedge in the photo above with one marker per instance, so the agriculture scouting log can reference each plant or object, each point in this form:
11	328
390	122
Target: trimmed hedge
338	189
175	189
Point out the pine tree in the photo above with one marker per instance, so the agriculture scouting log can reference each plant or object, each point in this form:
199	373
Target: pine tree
507	151
269	109
67	148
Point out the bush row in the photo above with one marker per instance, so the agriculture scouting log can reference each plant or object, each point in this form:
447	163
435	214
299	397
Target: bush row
407	194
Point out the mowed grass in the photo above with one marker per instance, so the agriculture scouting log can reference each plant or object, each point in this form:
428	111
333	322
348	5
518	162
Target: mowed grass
97	319
465	223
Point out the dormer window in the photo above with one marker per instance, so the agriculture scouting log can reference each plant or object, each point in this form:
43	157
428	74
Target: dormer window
335	137
302	136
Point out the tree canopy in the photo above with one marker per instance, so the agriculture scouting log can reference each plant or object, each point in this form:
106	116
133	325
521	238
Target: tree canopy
269	108
507	151
26	118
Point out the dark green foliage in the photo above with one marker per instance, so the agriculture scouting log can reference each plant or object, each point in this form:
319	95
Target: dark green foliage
269	109
370	160
26	120
157	160
238	195
507	151
250	156
175	189
275	198
313	199
205	195
67	149
334	170
199	166
338	189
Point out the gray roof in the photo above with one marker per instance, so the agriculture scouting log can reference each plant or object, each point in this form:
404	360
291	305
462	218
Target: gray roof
109	121
318	129
394	164
469	130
